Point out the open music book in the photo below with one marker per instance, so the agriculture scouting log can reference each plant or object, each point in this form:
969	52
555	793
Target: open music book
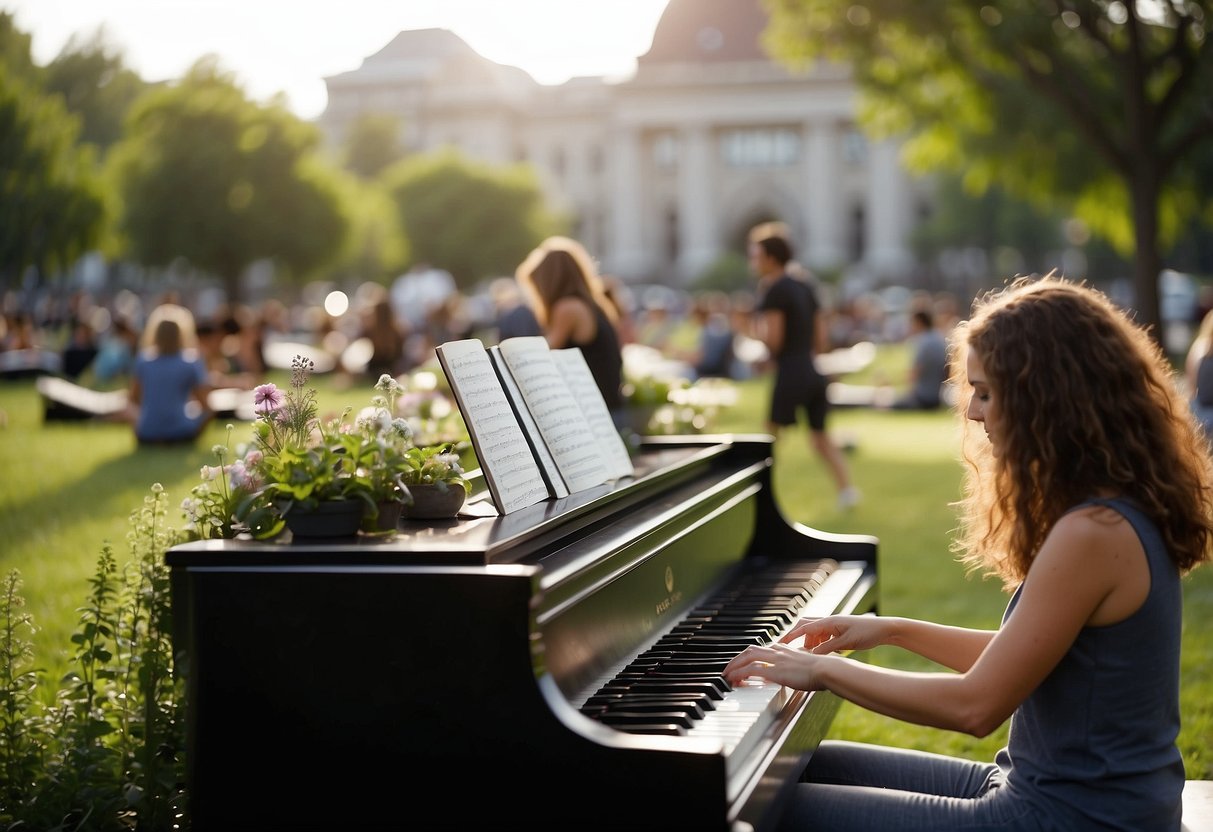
558	436
503	451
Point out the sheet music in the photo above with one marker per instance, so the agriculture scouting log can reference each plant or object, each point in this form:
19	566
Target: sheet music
557	487
513	476
580	379
561	423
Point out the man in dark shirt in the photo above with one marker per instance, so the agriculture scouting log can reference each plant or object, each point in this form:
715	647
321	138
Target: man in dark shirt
791	324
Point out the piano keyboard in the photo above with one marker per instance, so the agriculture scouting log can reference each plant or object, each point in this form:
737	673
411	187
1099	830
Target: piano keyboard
676	688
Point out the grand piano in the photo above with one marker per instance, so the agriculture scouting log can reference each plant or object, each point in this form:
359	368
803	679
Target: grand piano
553	668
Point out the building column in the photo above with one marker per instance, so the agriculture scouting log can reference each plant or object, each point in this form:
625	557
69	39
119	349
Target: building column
698	245
825	209
888	212
627	258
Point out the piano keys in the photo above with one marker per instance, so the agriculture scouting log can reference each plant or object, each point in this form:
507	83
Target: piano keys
554	668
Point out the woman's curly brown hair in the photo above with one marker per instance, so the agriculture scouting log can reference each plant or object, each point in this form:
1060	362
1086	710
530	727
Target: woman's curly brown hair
1089	406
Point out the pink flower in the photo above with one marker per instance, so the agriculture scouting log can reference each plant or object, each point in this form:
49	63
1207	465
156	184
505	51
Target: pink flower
267	398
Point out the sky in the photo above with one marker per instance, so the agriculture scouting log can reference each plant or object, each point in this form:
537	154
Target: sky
290	46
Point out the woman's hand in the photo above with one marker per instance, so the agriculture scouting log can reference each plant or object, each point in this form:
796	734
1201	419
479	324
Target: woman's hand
778	663
836	633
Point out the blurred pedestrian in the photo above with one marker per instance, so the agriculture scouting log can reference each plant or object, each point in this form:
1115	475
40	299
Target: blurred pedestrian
792	326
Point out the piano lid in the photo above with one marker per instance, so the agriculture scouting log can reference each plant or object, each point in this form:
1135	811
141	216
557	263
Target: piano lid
664	465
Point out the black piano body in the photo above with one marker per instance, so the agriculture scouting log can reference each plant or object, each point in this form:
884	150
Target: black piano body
434	679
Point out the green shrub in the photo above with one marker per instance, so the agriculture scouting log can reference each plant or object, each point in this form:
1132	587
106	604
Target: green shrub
108	754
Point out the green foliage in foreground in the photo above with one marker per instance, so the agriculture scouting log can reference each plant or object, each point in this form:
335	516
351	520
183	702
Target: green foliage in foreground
108	752
70	488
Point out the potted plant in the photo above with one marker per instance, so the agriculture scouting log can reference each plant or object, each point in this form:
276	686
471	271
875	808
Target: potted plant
230	500
424	482
317	475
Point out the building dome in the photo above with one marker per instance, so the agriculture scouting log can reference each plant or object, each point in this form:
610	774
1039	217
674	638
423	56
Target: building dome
708	31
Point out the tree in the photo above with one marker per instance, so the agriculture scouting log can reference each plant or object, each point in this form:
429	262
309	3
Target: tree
376	248
471	219
15	52
95	85
50	197
209	176
373	144
1104	105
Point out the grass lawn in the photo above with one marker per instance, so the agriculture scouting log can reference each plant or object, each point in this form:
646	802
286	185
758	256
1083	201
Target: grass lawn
69	488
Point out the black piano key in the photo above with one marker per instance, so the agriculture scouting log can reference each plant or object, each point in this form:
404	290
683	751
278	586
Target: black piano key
683	666
599	701
715	680
629	718
665	728
665	686
689	709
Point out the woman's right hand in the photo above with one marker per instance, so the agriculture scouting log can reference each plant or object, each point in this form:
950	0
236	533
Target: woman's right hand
836	633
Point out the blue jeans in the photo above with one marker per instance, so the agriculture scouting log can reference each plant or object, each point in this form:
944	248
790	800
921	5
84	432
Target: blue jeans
854	786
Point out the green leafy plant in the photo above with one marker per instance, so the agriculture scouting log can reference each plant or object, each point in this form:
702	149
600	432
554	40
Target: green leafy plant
404	463
108	753
302	461
22	736
230	500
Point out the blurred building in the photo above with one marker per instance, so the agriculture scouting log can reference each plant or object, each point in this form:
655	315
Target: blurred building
665	171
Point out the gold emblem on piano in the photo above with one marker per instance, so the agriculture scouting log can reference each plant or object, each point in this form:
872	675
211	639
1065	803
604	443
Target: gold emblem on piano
672	597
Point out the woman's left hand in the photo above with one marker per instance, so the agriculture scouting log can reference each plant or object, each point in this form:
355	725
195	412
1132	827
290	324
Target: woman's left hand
780	663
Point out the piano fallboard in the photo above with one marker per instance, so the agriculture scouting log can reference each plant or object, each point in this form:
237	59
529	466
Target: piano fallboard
439	678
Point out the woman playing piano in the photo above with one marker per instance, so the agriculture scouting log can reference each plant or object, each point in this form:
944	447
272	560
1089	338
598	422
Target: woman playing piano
1089	492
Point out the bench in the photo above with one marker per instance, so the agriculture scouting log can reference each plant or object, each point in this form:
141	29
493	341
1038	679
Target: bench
1198	806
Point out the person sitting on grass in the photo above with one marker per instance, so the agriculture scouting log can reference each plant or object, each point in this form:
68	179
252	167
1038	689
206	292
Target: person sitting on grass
169	388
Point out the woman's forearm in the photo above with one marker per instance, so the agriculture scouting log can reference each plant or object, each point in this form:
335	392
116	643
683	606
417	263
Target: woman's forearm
953	647
937	700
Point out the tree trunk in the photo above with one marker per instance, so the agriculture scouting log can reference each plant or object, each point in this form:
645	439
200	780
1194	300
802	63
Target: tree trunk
231	285
1147	262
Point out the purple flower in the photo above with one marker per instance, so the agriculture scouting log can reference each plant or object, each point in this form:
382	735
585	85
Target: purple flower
267	398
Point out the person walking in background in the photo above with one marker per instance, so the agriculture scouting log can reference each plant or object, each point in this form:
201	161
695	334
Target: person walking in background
1088	491
791	324
169	387
566	294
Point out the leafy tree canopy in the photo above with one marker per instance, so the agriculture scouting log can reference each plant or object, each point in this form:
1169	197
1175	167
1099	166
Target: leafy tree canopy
96	85
471	219
15	52
373	144
50	197
209	176
1102	105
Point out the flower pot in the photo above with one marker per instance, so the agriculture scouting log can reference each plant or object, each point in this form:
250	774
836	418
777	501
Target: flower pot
334	518
433	501
387	520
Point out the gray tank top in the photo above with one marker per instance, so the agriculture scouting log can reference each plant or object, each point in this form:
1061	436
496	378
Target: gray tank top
1094	745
